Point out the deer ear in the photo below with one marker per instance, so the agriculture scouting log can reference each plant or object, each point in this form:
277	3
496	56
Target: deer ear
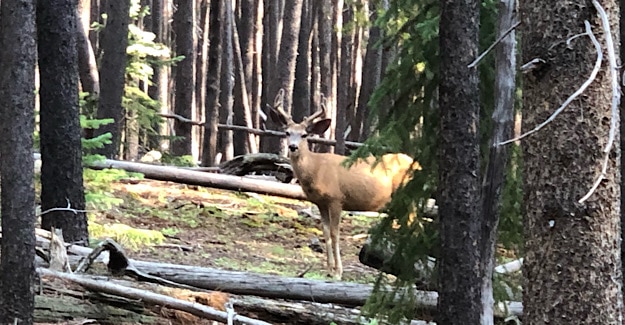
319	127
278	118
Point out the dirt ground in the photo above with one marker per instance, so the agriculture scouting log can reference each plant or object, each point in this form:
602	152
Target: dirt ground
232	230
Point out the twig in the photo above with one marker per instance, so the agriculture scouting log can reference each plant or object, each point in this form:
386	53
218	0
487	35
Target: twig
616	99
579	91
68	208
492	46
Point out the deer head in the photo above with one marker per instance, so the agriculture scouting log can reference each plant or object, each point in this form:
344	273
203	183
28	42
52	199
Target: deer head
296	132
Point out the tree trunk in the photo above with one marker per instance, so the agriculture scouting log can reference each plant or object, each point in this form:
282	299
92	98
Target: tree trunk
61	150
113	41
201	68
209	150
301	87
159	90
372	71
87	66
572	247
227	84
344	97
272	29
184	29
17	193
325	32
495	175
460	286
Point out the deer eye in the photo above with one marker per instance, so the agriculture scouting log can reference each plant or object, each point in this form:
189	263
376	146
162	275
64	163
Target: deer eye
304	135
288	134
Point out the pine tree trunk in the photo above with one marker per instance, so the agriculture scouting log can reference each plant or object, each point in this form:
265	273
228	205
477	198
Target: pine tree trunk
209	146
17	84
184	29
113	41
460	285
301	86
573	248
61	150
227	84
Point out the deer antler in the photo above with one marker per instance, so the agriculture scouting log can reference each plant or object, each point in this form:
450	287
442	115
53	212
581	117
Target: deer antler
284	118
320	112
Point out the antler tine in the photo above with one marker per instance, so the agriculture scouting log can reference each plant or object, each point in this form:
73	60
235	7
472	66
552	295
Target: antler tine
320	112
277	105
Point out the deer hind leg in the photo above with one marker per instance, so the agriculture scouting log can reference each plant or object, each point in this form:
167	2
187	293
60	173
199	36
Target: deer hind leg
325	220
335	232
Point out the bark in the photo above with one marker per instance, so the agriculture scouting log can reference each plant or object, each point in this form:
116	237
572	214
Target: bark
572	247
227	84
301	87
622	142
184	29
244	54
17	193
344	98
460	286
113	41
209	146
50	309
61	149
494	177
160	80
87	66
226	182
257	70
372	71
201	66
325	32
243	142
272	29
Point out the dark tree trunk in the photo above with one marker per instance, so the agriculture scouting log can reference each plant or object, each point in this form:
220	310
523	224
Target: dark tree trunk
372	71
184	29
622	130
17	90
271	34
61	150
209	150
325	32
244	51
344	98
572	247
301	87
113	41
160	80
460	285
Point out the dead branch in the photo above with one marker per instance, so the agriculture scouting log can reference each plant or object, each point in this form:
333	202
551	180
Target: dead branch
578	92
149	297
492	46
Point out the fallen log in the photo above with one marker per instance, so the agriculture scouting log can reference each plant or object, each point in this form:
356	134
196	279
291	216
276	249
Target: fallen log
150	297
271	286
226	182
60	306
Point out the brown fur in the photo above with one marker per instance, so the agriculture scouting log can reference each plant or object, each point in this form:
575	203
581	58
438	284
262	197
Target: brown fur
366	186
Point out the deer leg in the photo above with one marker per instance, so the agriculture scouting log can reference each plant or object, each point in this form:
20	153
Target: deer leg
325	220
335	232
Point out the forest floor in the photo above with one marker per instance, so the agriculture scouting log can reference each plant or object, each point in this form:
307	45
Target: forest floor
228	230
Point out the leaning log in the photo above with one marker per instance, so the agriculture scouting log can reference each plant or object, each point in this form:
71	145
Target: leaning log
225	182
259	163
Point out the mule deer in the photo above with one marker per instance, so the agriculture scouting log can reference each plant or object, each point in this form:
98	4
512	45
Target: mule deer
366	185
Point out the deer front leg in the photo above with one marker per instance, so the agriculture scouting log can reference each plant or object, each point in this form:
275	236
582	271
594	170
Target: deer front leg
335	232
325	221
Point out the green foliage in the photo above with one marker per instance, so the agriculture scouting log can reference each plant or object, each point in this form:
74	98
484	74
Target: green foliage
405	109
98	193
180	161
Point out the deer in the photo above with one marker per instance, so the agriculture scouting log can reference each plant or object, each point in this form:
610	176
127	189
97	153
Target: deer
367	185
